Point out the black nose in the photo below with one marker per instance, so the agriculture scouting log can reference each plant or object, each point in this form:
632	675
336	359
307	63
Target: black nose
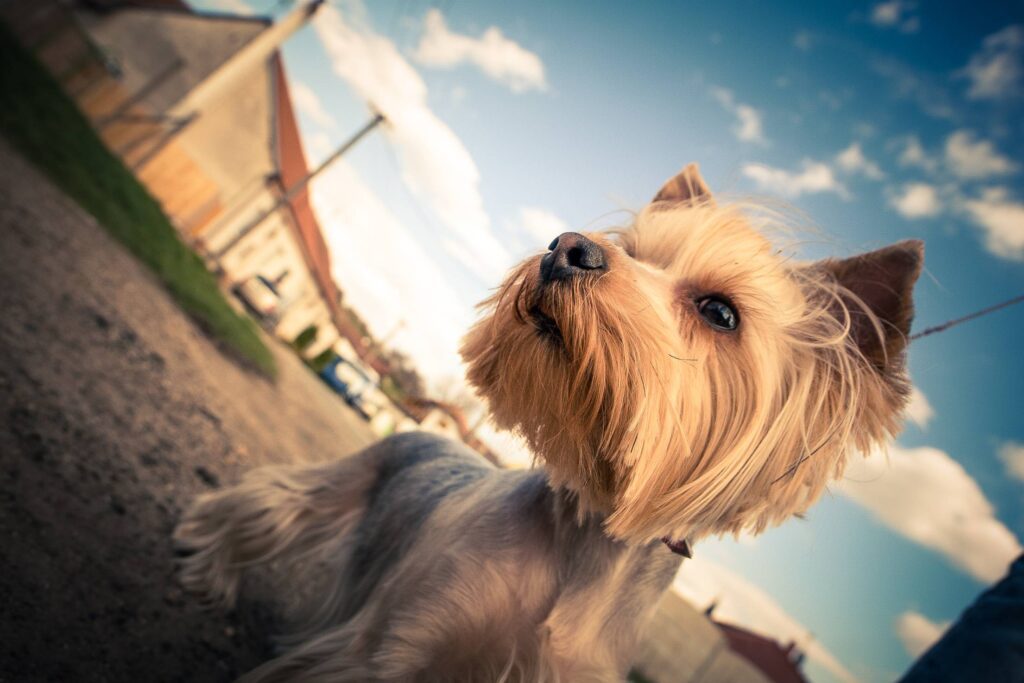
571	254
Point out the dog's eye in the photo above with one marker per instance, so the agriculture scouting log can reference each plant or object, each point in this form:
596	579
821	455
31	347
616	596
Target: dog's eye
718	312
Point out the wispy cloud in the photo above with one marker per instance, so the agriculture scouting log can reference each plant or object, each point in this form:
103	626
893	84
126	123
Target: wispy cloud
387	284
436	166
965	160
498	57
970	158
1011	454
919	410
316	145
895	14
996	71
309	103
749	126
852	160
928	497
814	177
916	200
1001	220
541	225
741	602
920	88
913	155
917	632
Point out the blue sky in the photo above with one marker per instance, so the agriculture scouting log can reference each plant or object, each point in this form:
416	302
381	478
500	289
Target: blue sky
512	122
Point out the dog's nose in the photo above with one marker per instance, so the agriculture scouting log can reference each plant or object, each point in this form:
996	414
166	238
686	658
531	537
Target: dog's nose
571	254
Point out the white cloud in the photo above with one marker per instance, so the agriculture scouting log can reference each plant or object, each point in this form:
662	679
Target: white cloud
316	145
919	410
813	178
749	127
852	160
387	276
914	154
541	225
1001	219
895	14
1012	455
917	632
926	496
436	166
741	602
996	71
501	59
917	200
308	103
970	158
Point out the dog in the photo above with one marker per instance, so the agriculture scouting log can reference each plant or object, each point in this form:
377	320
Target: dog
679	378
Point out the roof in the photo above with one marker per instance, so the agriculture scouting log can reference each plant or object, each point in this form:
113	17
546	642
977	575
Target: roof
292	168
179	6
164	50
110	5
780	664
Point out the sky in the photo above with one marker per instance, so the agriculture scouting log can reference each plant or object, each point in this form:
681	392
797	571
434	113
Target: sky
510	123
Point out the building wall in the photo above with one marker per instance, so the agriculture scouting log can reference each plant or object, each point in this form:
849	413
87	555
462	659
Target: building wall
127	67
681	645
272	250
231	140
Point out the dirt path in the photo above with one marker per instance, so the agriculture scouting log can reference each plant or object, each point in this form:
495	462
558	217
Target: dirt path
117	411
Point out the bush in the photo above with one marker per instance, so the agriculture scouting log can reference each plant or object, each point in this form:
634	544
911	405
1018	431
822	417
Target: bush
305	338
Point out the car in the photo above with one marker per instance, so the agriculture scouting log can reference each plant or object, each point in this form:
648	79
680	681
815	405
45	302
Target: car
260	297
352	382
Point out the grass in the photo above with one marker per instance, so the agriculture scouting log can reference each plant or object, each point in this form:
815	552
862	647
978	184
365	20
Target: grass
42	123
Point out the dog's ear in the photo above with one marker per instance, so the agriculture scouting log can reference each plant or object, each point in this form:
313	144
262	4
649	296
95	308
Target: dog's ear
687	186
882	282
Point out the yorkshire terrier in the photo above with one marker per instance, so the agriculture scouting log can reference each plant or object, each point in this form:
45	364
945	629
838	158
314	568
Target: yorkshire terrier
679	378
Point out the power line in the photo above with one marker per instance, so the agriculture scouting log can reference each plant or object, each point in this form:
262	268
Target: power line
956	321
299	186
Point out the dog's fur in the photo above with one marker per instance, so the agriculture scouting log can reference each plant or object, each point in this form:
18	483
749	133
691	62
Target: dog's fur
650	424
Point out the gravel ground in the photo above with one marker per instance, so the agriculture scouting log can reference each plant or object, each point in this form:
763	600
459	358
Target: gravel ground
118	411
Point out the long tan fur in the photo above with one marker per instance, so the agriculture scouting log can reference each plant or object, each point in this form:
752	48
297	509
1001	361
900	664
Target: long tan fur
672	428
649	422
274	513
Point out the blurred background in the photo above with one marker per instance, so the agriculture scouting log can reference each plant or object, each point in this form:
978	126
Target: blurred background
337	185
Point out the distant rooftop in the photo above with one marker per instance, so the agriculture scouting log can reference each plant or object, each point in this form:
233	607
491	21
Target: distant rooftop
780	664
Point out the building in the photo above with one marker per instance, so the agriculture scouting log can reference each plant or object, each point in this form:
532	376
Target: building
682	645
198	106
780	664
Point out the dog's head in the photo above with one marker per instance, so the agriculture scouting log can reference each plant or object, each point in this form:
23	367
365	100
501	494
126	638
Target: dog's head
685	377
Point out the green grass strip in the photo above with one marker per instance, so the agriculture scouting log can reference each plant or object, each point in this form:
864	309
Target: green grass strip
39	119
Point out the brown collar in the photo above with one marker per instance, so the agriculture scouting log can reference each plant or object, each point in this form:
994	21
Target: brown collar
681	547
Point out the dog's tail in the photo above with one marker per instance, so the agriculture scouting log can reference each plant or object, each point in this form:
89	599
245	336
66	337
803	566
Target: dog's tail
275	513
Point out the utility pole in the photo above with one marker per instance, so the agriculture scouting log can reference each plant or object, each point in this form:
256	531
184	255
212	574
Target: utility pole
299	186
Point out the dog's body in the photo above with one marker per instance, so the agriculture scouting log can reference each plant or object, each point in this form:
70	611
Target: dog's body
454	571
680	381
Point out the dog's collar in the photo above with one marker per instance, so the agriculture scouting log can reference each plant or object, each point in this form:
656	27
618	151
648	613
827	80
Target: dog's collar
680	547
